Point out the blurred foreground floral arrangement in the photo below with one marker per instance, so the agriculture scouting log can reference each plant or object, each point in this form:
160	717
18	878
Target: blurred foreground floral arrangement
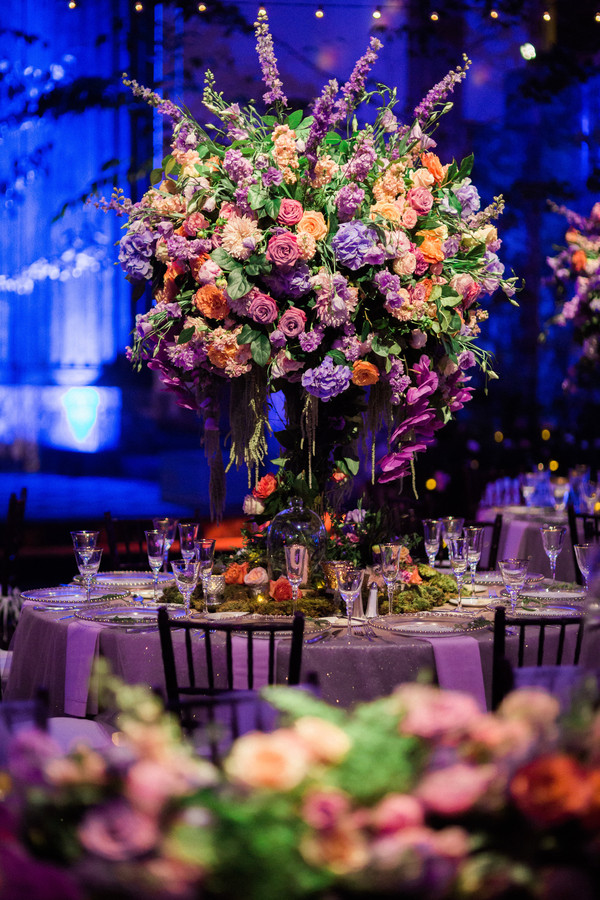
576	282
460	804
316	258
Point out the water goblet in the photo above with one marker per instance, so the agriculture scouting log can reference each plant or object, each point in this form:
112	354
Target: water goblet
560	491
474	536
155	543
188	533
88	563
458	550
205	551
552	539
589	495
452	528
85	541
168	527
186	572
584	554
432	532
350	584
296	561
514	573
390	560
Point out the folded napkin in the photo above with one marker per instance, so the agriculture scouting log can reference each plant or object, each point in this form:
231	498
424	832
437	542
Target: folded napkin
82	650
260	661
458	665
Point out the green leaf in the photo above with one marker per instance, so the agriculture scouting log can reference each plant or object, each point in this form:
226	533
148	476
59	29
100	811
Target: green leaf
332	137
466	167
450	299
261	349
349	466
337	356
155	176
294	119
379	348
223	259
256	197
454	202
237	284
186	334
248	334
171	166
271	207
269	120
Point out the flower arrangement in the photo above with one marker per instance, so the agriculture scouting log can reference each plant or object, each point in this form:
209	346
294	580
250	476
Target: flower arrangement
339	264
576	281
461	804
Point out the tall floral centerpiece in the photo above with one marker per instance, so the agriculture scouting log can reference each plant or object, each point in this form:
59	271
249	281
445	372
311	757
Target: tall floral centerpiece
576	281
334	261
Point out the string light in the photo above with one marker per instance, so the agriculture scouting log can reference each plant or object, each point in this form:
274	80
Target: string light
546	16
494	13
527	51
319	13
434	17
139	7
72	4
202	7
597	17
377	13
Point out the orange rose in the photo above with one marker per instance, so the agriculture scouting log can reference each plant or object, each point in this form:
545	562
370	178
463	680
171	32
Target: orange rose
211	302
551	789
364	373
265	487
433	164
431	247
386	209
313	223
281	589
579	260
235	573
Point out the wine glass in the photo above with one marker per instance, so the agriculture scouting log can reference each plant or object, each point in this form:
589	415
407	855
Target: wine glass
458	550
84	541
584	554
296	562
155	543
514	573
552	539
168	527
432	531
560	490
88	563
186	572
452	528
188	532
474	536
589	495
205	551
390	560
350	584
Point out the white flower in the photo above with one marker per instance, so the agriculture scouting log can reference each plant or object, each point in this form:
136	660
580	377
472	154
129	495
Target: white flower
252	506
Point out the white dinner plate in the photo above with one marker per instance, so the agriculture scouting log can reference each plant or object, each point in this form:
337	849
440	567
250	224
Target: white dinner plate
436	624
70	595
129	616
475	602
131	581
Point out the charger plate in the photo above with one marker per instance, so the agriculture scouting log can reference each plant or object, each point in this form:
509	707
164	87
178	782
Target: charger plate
552	596
546	611
473	602
127	615
132	581
430	624
495	577
69	596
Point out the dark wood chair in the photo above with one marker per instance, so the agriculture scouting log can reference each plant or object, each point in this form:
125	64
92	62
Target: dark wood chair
584	528
13	534
206	698
528	629
126	542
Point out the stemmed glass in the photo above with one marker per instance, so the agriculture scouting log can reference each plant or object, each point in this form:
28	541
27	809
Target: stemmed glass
296	562
552	539
458	550
85	541
168	527
474	536
88	563
350	584
514	573
186	572
188	532
584	553
205	551
390	560
452	528
432	531
155	543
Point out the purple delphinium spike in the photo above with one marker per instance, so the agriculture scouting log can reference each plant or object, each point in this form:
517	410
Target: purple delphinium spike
268	63
322	122
353	89
440	91
164	107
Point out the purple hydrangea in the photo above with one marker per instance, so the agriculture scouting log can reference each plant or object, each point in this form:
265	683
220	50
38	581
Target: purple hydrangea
272	176
353	244
136	250
293	284
468	196
327	380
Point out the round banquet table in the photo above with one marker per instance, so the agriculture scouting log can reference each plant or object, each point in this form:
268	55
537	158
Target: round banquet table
55	650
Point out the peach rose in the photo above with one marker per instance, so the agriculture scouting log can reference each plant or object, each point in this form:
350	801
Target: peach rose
211	302
551	789
281	589
386	209
405	265
431	247
278	761
313	223
325	741
422	178
256	576
364	373
235	573
265	487
409	217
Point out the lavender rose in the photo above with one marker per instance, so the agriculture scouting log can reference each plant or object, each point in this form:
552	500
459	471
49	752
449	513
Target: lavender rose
290	212
420	199
282	250
292	322
262	308
327	380
353	243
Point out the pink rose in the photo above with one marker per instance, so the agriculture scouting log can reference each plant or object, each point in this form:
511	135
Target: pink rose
405	265
262	309
420	199
208	272
455	789
283	250
256	576
292	322
290	212
284	367
467	287
409	218
397	811
194	223
433	714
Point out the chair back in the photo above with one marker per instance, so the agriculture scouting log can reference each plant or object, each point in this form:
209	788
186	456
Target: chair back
542	627
126	542
13	534
584	528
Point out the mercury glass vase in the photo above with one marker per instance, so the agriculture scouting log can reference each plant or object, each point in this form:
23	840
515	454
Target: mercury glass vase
295	525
